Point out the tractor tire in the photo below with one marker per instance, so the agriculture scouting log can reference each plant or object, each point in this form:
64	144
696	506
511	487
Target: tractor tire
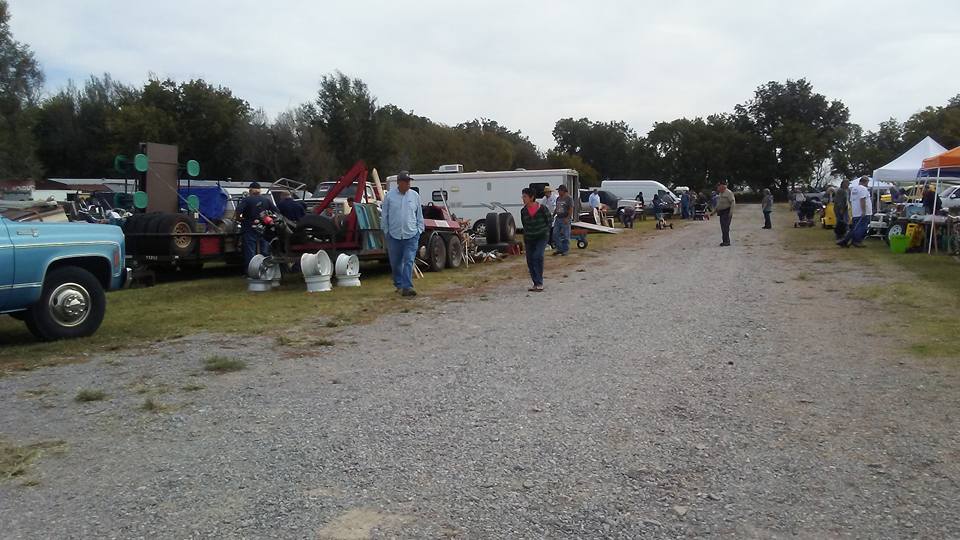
151	245
508	227
454	252
436	253
71	305
493	228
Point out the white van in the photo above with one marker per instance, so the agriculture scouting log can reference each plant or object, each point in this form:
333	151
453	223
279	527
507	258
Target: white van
629	189
472	195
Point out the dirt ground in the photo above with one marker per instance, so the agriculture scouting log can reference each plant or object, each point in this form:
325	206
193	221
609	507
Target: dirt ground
671	388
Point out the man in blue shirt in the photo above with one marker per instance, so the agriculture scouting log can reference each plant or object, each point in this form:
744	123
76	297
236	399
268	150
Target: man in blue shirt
402	221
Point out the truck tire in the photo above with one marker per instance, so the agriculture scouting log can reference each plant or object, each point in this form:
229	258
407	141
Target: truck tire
149	245
71	305
454	252
507	226
436	253
493	228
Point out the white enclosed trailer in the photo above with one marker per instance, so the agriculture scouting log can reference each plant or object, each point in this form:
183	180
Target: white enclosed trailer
472	195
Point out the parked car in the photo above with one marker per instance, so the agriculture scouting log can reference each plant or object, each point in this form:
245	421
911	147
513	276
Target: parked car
950	197
53	276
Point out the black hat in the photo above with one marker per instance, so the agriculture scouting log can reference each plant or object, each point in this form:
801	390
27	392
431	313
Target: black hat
254	185
404	176
562	188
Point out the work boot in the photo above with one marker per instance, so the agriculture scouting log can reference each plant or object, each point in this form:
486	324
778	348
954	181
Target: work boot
408	292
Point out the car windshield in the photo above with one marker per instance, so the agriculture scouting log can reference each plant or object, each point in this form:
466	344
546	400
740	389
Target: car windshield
325	187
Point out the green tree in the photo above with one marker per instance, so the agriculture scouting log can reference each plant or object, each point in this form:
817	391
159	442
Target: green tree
941	123
561	160
605	146
74	131
346	112
21	81
797	129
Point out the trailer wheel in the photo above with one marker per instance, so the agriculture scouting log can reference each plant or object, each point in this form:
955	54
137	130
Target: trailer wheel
508	227
480	228
581	244
492	228
172	225
436	253
454	252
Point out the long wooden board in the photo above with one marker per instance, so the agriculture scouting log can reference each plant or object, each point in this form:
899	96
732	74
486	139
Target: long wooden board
596	228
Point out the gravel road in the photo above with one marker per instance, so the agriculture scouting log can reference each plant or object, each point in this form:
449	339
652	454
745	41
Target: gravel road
671	389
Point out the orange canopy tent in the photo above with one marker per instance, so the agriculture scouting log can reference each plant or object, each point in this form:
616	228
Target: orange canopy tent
950	158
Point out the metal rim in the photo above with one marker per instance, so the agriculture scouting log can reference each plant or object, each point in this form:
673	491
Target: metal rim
182	242
69	304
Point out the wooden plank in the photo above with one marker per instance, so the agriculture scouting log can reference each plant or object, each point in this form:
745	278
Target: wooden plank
596	228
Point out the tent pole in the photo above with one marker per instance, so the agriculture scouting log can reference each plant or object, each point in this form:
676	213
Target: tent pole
933	217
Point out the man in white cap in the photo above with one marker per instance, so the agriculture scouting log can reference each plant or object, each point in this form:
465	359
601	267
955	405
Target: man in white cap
549	200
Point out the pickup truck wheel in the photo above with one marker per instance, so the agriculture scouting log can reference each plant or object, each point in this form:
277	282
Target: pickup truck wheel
436	253
492	228
454	252
72	305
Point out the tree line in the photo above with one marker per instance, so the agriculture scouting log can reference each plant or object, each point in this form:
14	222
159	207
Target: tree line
786	134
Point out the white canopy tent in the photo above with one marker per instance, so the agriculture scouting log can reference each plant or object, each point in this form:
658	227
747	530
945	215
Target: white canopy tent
905	168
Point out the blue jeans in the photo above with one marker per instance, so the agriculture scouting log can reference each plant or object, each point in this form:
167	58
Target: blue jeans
857	231
534	251
253	243
561	235
402	255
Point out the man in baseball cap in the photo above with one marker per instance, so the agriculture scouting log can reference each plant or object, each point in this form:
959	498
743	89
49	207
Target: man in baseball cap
562	218
401	217
248	211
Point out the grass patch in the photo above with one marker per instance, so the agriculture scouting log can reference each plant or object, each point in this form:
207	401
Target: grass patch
323	343
15	461
149	405
803	276
223	364
284	341
192	387
127	325
921	291
86	395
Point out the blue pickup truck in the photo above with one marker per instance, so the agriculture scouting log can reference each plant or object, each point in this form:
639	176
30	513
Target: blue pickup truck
53	275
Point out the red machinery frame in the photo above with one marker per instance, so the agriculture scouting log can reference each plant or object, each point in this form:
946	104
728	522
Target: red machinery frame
358	174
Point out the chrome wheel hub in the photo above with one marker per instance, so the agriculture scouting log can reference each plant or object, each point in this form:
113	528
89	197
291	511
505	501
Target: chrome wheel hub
69	304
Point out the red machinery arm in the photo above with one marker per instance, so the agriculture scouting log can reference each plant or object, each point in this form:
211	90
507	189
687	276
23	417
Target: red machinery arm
358	174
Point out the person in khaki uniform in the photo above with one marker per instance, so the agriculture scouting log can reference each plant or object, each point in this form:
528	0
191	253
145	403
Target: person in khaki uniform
725	203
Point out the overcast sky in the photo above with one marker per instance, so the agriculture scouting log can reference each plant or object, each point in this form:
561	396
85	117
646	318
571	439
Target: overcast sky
525	64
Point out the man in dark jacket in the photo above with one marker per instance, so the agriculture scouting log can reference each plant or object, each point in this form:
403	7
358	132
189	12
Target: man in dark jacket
248	212
290	208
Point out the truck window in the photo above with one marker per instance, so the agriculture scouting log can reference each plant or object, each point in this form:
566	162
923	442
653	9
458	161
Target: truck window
537	188
440	196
